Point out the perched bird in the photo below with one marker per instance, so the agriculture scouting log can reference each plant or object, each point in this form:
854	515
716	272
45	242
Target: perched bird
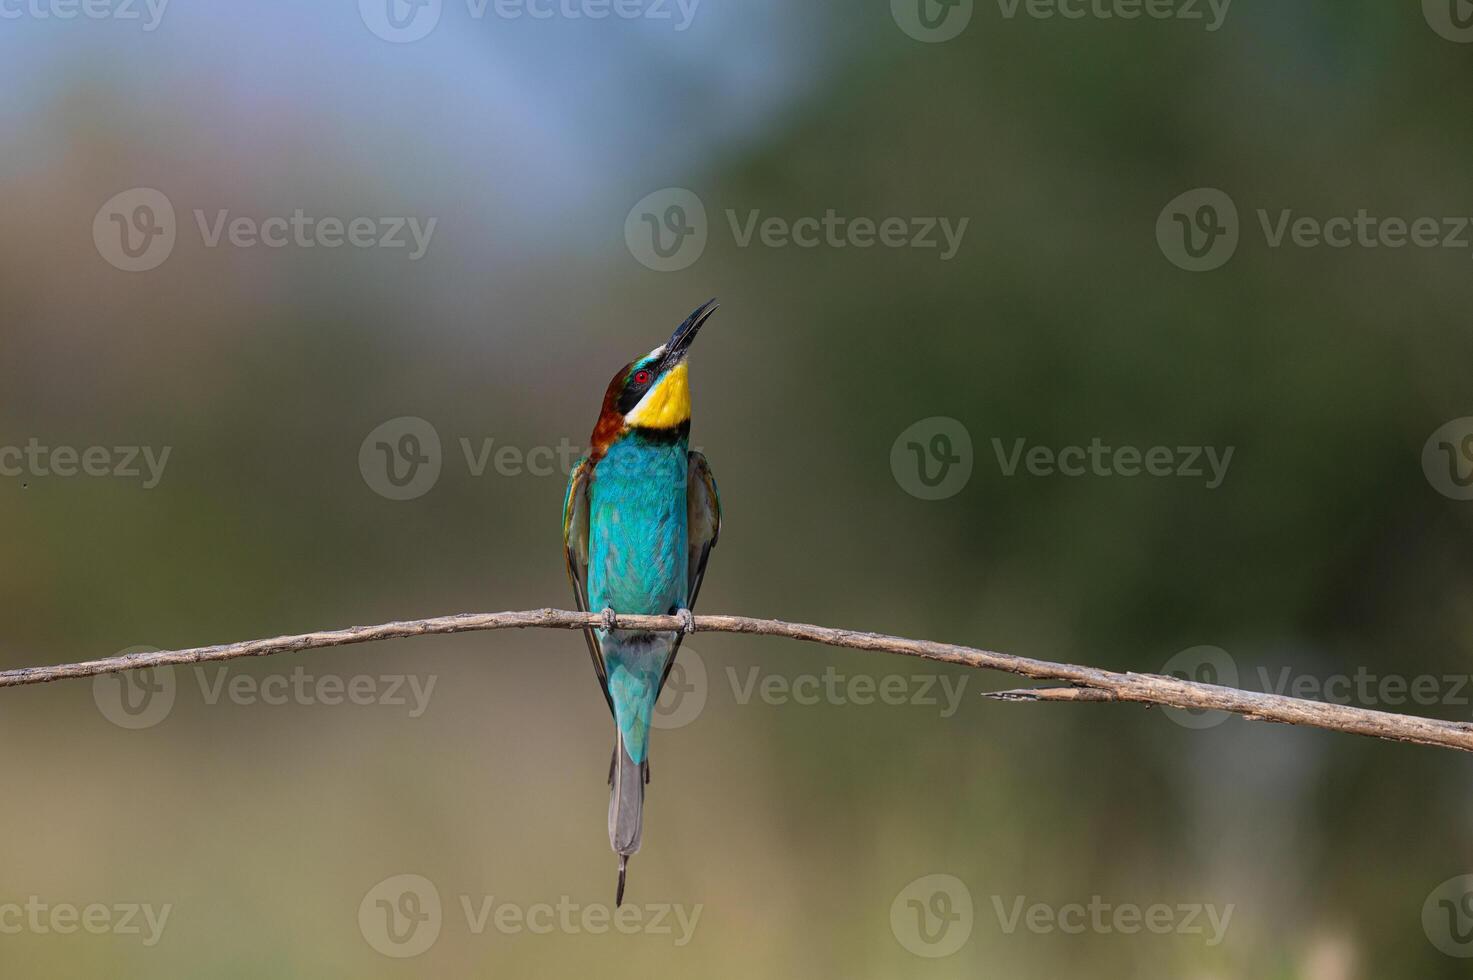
639	521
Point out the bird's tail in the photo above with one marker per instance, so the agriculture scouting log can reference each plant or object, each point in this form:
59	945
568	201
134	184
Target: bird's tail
626	809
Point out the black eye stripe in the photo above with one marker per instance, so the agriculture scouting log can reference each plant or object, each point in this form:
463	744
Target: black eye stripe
634	389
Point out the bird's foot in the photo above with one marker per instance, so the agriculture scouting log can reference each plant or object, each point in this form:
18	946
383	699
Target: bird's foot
608	617
687	621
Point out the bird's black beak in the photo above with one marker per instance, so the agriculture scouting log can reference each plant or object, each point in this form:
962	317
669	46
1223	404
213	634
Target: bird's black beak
685	334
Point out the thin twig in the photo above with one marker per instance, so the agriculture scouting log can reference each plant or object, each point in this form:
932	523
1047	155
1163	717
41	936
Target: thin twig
1086	683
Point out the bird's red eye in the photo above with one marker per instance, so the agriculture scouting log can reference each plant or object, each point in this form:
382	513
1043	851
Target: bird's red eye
641	377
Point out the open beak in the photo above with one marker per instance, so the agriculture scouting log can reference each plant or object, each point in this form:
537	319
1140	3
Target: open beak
685	334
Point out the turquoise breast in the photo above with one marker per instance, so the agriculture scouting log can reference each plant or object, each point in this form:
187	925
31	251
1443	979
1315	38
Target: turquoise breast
637	534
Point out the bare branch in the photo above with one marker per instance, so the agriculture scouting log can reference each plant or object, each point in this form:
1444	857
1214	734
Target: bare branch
1030	694
1086	683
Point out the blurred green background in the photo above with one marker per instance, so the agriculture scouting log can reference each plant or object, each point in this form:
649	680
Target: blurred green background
794	827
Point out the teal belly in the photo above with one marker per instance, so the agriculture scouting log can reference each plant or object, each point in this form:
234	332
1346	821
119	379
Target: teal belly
637	528
637	564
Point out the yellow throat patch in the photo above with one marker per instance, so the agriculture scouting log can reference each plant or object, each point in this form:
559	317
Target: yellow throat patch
667	404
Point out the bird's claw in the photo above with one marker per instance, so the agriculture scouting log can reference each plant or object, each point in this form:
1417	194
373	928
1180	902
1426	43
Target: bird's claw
608	617
687	621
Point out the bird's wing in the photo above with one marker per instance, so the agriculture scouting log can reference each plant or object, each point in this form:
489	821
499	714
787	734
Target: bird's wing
575	546
703	519
703	513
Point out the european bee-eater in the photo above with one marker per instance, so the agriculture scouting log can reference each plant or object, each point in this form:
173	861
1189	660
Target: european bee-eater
639	521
